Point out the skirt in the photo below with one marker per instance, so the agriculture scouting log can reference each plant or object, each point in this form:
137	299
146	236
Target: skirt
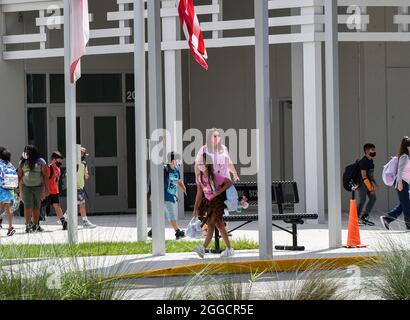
211	210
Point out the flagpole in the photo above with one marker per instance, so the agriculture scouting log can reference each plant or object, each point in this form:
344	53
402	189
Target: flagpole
70	124
140	119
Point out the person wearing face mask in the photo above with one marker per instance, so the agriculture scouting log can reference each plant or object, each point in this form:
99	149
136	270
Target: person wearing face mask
209	205
54	174
82	176
402	187
219	154
34	186
367	186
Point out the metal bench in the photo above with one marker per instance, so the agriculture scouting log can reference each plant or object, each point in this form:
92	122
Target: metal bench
284	196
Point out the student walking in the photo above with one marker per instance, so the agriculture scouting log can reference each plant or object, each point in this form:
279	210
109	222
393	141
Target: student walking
209	204
218	155
8	184
82	176
54	174
172	179
367	194
34	187
402	187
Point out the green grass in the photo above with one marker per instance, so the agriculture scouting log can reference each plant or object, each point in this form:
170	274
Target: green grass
19	251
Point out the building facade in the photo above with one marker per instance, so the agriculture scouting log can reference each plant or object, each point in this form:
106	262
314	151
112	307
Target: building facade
374	87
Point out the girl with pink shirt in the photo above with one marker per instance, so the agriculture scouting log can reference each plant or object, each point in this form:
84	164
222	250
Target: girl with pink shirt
209	204
402	186
218	154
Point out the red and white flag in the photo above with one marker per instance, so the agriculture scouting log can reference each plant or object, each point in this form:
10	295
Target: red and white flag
192	30
79	35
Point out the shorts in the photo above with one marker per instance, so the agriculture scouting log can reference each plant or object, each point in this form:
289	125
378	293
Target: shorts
53	199
32	196
6	196
80	196
170	211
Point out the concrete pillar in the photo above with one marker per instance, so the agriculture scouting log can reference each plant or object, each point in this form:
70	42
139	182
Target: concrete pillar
333	125
313	118
155	123
173	91
298	132
263	126
13	128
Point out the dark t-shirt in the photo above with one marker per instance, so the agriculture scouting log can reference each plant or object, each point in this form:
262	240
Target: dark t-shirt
368	166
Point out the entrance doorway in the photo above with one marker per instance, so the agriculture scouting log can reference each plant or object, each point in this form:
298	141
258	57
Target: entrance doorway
102	131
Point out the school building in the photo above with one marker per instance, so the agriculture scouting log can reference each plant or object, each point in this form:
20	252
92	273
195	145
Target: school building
374	67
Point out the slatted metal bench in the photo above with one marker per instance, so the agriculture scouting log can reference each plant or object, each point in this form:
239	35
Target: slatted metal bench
284	195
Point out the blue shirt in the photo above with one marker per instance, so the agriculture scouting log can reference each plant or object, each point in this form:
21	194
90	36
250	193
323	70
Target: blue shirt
171	178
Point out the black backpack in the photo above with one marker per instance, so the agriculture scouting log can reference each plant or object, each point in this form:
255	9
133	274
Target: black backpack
351	176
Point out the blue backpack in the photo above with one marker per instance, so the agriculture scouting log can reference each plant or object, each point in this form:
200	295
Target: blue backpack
8	176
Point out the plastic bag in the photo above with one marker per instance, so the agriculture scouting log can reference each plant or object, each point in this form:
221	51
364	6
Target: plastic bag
193	229
231	201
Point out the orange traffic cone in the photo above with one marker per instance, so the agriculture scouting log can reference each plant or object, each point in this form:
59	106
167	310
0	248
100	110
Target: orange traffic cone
353	233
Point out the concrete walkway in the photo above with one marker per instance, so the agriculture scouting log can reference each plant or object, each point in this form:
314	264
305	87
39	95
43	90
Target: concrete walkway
121	228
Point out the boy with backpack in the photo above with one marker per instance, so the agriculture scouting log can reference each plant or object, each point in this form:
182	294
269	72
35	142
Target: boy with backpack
367	186
54	174
8	183
172	179
360	176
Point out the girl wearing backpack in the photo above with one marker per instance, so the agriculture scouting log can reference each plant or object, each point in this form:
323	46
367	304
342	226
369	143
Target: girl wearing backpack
402	186
34	186
8	183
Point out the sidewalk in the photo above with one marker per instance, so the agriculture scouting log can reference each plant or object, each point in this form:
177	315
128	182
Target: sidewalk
121	228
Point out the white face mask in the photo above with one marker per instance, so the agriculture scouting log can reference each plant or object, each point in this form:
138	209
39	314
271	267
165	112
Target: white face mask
24	155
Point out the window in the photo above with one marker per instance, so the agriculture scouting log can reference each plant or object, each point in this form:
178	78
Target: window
91	88
36	88
37	129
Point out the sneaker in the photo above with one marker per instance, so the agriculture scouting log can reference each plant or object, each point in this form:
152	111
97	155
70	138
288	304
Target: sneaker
179	234
227	253
150	233
366	222
11	231
64	223
37	228
88	225
200	251
29	228
384	222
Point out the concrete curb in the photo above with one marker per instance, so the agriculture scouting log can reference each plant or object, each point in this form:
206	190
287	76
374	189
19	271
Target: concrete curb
252	266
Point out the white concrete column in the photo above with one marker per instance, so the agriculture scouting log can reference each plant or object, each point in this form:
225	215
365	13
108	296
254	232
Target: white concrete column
263	126
71	132
140	119
217	17
173	92
313	119
298	125
333	125
156	122
12	84
403	27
